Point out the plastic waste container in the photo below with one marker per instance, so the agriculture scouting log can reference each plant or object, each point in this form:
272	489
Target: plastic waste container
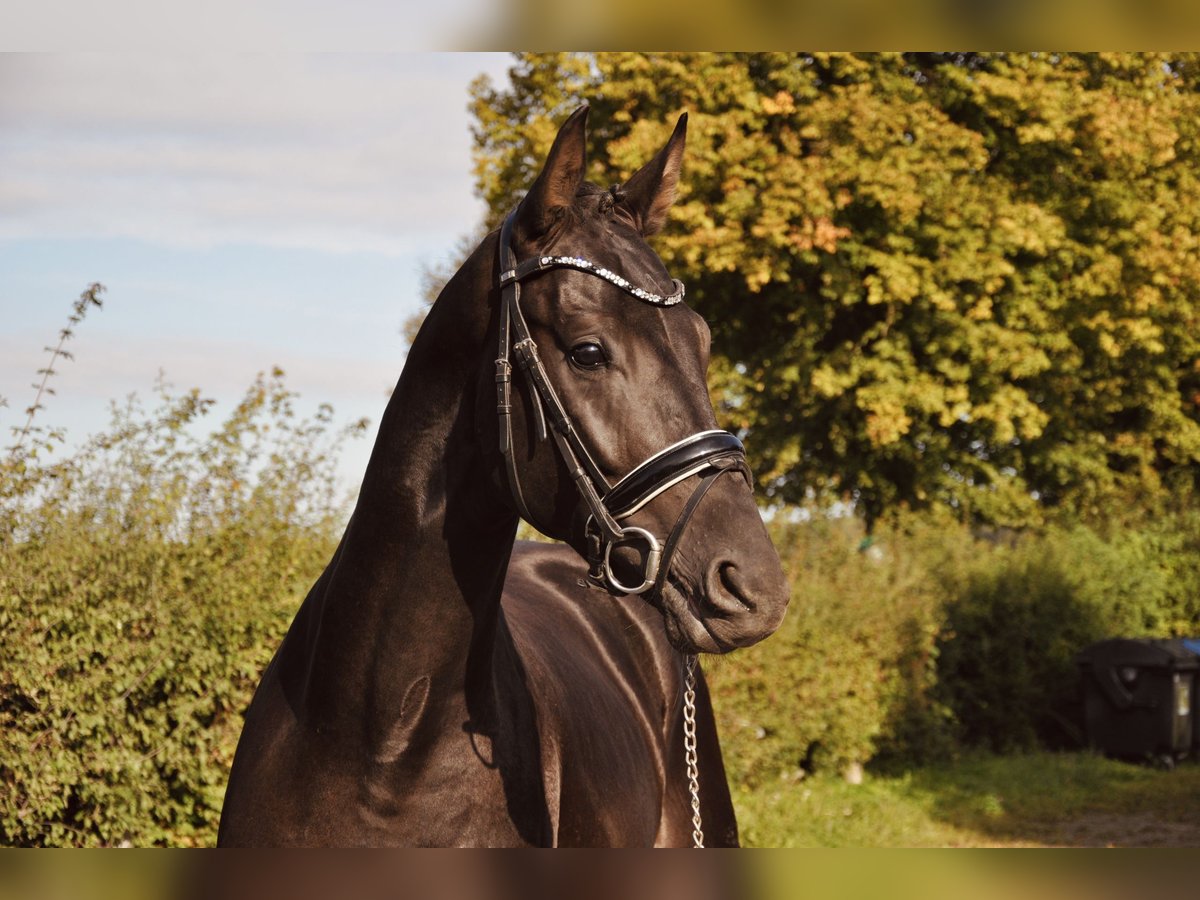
1193	644
1138	697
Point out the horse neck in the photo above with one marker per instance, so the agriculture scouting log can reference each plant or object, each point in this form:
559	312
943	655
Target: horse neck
413	591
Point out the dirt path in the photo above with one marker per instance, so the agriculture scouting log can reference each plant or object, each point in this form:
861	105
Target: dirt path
1123	830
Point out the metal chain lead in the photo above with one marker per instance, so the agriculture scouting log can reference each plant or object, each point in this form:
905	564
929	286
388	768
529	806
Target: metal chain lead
689	746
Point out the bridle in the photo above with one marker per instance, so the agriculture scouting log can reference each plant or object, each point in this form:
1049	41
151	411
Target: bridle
707	454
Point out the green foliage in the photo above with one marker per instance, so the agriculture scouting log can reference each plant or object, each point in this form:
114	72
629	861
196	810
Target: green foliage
964	280
850	671
1006	658
144	582
927	638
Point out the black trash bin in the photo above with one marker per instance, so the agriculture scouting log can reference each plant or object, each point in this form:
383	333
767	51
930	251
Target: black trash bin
1192	644
1138	697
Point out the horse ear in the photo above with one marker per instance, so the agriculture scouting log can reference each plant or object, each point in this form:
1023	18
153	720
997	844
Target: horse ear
559	180
651	191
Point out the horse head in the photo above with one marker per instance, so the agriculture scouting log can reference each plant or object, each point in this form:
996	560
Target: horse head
606	430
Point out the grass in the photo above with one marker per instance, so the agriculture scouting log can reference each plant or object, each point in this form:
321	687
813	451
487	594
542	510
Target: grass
1040	799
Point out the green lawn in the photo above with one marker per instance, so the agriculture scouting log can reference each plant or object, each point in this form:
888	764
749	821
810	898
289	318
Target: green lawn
1041	799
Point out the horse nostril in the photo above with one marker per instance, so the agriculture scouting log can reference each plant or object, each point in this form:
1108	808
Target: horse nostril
729	595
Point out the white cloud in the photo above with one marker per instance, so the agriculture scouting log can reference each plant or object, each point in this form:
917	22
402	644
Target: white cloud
322	151
247	25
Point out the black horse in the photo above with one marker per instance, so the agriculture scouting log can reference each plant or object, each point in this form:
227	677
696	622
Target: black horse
407	705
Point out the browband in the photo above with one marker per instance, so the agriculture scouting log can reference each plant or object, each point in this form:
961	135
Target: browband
540	263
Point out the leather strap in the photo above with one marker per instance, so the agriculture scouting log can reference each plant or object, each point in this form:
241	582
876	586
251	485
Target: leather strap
668	467
514	334
668	551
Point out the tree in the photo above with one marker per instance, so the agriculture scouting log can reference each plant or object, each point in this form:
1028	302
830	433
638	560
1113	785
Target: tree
957	279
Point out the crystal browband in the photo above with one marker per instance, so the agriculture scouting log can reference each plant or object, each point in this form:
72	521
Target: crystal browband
538	263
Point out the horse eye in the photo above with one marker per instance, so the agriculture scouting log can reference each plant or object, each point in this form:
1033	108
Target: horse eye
588	355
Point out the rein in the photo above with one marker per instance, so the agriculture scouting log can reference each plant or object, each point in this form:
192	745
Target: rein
708	454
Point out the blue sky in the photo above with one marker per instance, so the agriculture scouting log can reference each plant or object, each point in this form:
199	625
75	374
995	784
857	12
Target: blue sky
243	210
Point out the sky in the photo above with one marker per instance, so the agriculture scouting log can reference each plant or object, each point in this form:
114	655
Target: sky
243	210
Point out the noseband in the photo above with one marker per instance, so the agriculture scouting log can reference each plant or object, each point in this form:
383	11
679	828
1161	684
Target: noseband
707	454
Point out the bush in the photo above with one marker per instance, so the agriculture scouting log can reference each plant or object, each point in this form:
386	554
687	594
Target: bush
928	638
144	583
849	672
1023	612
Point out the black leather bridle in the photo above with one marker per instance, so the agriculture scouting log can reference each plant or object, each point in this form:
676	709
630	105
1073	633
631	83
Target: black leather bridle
707	454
